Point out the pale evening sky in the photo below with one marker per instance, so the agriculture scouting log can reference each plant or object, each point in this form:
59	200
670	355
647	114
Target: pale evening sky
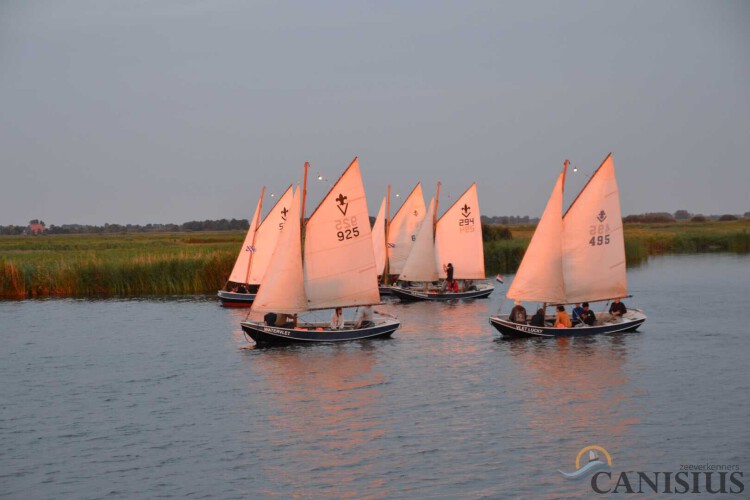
141	111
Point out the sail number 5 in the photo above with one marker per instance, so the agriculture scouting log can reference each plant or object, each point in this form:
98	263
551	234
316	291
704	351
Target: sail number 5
347	228
599	234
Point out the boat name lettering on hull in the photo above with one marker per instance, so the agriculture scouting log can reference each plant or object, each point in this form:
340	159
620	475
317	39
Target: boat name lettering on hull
276	331
528	329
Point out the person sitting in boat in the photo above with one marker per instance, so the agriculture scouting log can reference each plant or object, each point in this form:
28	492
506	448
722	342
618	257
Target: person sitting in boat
538	318
469	285
241	289
587	316
562	320
617	309
286	320
518	314
449	277
337	319
577	310
364	317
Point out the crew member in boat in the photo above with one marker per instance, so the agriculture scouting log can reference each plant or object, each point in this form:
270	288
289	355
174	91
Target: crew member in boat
337	319
518	314
587	316
286	320
241	288
562	320
449	277
538	318
364	317
577	310
617	309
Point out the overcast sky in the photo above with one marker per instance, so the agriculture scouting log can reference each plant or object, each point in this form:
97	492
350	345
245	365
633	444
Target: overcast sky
145	111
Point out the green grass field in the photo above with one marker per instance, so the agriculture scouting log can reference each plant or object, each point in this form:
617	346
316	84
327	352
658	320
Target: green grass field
198	263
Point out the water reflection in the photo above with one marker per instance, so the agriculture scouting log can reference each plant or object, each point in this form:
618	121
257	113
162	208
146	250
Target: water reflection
576	391
327	415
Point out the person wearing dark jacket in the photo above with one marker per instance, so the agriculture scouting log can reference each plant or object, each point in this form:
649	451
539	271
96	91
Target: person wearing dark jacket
538	318
518	314
617	309
587	316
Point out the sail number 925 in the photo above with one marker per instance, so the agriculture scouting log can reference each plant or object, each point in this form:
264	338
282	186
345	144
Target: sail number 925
599	234
347	228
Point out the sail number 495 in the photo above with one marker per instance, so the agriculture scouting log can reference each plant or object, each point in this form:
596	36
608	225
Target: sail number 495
599	234
347	228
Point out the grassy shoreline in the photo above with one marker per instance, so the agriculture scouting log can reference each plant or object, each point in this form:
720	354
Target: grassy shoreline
198	263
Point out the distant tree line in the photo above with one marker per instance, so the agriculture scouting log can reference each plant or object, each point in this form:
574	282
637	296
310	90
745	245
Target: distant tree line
493	228
206	225
679	215
509	220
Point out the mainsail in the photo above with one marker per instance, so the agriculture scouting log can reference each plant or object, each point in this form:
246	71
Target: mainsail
420	264
378	239
339	258
285	292
458	238
268	235
580	256
593	241
241	270
403	229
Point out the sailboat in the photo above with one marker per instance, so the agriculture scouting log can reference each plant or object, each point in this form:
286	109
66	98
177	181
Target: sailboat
576	257
455	238
338	270
255	253
400	235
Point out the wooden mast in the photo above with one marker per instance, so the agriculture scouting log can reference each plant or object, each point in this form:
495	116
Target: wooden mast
387	228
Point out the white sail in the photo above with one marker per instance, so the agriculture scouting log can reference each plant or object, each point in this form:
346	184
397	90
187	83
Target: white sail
241	270
378	239
458	238
593	242
339	259
282	289
420	265
540	277
403	229
268	234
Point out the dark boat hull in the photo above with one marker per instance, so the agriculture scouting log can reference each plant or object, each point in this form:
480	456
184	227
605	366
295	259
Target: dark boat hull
385	290
234	299
514	330
414	294
264	334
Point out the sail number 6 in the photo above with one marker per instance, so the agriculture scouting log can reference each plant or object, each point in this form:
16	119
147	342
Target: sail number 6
347	228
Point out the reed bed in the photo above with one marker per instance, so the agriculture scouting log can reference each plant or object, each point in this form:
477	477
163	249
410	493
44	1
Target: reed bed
641	242
115	265
199	263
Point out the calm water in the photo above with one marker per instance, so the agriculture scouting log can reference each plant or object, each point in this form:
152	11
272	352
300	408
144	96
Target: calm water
163	398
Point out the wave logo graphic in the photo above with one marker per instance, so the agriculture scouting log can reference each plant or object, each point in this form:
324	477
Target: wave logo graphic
598	459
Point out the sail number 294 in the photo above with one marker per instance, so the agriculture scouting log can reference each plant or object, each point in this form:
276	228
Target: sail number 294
347	228
599	234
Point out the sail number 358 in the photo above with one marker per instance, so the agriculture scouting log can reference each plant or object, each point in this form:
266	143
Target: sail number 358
347	228
599	235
